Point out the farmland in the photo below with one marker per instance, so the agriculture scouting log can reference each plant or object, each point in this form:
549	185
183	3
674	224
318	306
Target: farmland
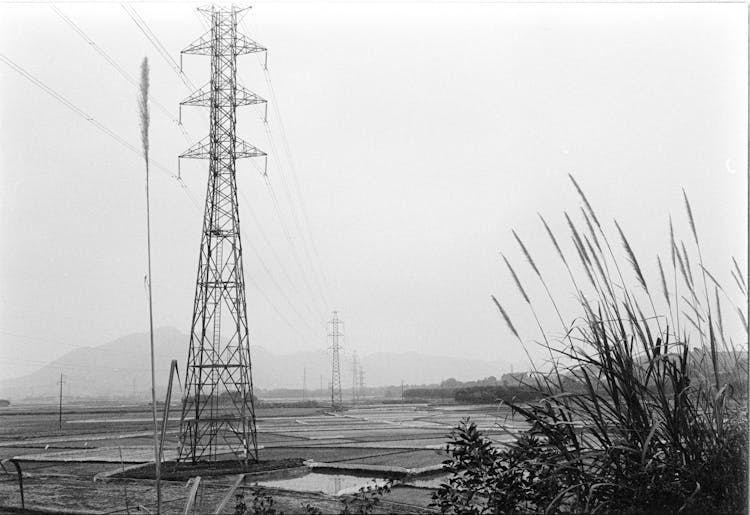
75	468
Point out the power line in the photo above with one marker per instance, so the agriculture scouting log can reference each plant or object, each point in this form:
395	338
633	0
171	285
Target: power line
273	280
295	255
157	44
321	286
290	240
293	214
285	230
165	54
161	49
80	112
125	75
249	209
295	180
158	165
273	306
287	233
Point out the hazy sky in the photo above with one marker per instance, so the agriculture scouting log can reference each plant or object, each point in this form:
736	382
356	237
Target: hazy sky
420	135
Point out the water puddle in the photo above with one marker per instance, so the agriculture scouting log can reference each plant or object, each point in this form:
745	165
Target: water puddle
341	484
330	484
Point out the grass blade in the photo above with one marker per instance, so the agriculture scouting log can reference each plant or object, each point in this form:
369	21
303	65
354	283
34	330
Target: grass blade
515	278
663	282
631	258
505	317
739	274
585	201
690	216
526	253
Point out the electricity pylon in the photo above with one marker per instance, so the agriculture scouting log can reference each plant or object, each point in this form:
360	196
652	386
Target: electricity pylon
218	412
361	390
335	334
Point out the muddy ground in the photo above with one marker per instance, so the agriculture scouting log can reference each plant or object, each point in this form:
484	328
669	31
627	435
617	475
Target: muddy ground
60	466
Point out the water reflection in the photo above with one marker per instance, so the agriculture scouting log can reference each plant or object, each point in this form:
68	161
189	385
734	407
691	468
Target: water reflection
330	484
340	484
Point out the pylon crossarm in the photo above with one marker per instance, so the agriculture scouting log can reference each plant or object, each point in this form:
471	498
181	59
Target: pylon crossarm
245	45
245	149
202	97
202	45
201	150
246	97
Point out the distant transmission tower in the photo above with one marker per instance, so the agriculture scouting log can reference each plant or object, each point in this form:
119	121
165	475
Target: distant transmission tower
218	414
335	334
361	383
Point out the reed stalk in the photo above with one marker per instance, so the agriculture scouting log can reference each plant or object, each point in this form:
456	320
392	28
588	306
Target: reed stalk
660	413
145	119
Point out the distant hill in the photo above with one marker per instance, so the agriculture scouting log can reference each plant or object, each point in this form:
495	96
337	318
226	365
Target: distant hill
120	369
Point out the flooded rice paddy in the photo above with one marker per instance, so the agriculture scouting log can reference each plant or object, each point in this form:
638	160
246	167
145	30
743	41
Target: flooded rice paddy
343	451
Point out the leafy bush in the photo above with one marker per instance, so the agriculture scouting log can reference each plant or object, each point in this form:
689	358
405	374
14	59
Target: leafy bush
361	503
640	414
487	479
366	499
260	504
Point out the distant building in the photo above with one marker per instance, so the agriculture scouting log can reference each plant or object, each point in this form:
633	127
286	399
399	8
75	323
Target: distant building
4	403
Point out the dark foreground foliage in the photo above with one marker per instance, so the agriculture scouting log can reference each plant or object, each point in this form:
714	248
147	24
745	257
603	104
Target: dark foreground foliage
363	502
532	475
642	409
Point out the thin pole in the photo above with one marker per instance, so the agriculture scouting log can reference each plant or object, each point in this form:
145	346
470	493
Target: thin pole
144	139
354	378
60	410
151	341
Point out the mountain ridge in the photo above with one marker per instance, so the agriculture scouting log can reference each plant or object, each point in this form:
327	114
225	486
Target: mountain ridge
121	369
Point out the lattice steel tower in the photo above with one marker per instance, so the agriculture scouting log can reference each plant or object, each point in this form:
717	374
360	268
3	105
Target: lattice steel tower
218	415
361	390
335	334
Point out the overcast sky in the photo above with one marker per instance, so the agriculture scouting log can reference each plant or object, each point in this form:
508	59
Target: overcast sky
420	135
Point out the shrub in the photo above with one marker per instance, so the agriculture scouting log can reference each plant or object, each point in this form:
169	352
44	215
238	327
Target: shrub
640	414
487	479
260	504
366	499
361	503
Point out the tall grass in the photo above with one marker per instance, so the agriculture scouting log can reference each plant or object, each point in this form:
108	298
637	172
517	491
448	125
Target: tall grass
644	409
144	119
